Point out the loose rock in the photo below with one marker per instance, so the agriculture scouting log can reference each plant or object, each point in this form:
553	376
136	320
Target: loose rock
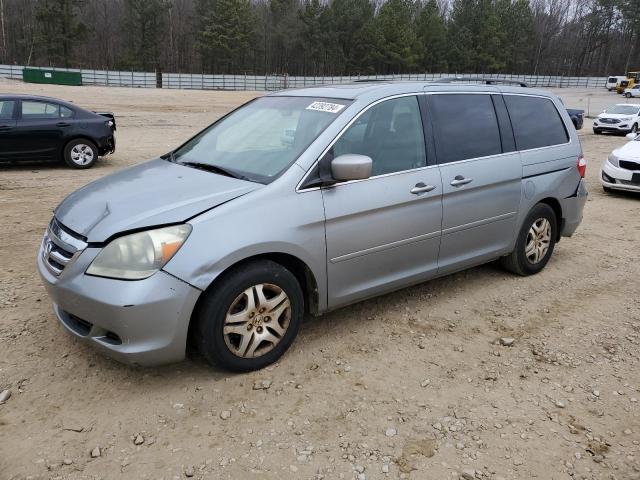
4	396
139	440
262	385
507	341
390	432
468	474
225	414
95	453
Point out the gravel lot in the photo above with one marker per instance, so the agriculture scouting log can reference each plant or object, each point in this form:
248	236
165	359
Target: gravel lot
415	384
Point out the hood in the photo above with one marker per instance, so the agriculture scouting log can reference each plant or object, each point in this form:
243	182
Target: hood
615	115
630	150
153	193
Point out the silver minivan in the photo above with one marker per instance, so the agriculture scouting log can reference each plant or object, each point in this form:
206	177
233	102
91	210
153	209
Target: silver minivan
304	201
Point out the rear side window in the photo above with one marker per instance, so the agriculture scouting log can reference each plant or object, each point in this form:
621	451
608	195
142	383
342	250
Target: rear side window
536	122
465	126
6	109
39	110
66	112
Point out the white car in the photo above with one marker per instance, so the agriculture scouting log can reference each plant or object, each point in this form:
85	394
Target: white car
620	118
632	92
612	82
621	171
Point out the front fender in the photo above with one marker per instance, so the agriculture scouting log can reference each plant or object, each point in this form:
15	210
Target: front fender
257	224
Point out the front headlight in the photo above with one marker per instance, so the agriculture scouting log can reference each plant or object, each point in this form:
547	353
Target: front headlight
139	255
626	119
613	160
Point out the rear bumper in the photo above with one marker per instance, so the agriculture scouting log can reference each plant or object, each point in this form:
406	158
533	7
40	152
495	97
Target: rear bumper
572	209
107	145
137	322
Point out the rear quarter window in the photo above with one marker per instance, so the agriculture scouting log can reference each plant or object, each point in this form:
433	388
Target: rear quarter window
536	122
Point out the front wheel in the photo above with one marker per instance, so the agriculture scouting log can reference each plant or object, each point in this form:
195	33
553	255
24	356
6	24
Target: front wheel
634	129
596	131
535	244
250	317
80	153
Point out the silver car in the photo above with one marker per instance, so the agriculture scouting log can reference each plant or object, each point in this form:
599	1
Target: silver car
304	201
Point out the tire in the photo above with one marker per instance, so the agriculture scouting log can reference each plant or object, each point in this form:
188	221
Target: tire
634	129
607	189
628	95
597	132
237	350
80	154
517	261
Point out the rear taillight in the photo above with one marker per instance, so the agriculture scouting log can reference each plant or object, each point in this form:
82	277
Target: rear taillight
582	166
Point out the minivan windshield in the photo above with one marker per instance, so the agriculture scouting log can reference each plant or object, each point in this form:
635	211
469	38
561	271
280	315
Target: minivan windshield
261	139
623	109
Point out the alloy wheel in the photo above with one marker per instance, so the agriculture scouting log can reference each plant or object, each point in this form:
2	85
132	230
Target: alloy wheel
82	154
257	320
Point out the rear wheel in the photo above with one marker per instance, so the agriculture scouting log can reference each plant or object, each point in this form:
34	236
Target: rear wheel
536	241
80	153
250	318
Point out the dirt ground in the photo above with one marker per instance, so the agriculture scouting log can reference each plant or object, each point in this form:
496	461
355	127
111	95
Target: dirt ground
412	385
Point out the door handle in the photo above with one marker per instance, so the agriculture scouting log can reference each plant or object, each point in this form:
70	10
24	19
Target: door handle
459	180
62	124
422	188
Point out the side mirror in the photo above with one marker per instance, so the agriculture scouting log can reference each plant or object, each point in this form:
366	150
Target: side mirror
351	167
632	136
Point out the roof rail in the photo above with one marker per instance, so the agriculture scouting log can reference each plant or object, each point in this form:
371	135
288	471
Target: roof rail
487	81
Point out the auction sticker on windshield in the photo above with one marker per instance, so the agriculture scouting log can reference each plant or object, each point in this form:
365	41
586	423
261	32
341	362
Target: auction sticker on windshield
325	107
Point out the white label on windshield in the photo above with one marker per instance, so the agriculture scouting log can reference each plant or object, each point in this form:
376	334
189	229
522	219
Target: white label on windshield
325	107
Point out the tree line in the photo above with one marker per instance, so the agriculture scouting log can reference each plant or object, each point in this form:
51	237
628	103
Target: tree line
325	37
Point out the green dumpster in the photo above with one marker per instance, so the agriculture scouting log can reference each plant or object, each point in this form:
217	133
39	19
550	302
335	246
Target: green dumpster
40	75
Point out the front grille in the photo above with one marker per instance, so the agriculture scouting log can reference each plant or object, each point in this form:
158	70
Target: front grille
60	247
629	182
629	165
610	121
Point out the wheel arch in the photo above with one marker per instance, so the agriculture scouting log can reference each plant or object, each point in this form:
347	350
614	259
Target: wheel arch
80	136
303	273
557	209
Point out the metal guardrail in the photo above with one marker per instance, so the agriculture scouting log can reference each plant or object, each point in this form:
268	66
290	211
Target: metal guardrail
281	82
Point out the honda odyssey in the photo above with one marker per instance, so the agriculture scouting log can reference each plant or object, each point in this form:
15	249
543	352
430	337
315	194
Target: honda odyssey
304	201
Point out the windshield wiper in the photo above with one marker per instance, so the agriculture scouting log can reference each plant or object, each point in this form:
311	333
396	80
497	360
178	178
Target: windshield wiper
213	169
168	156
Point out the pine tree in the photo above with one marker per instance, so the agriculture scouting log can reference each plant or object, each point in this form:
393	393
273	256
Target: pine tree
352	37
313	37
396	25
59	28
146	20
225	34
431	46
